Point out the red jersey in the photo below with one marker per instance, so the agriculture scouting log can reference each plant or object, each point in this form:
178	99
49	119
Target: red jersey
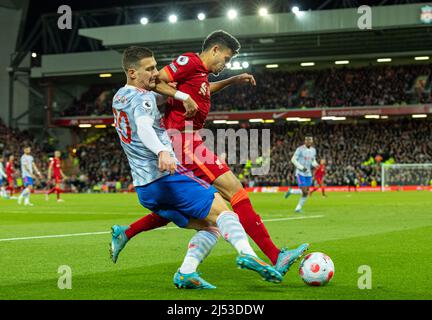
320	171
10	169
191	76
56	167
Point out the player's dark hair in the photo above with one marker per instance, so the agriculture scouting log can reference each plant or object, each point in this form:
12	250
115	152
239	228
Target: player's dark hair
221	38
133	55
308	135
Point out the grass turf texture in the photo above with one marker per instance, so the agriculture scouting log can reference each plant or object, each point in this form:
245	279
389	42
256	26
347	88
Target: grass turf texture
390	232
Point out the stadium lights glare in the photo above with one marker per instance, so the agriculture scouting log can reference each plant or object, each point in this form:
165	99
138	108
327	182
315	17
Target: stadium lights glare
292	119
233	122
372	116
112	124
384	117
144	20
172	18
236	66
228	65
256	120
100	126
417	116
85	125
272	66
342	62
201	16
232	14
34	55
263	12
421	58
219	121
333	118
245	64
295	10
269	121
307	64
384	60
304	120
105	75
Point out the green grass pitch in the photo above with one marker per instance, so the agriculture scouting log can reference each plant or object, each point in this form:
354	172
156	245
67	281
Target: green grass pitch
390	232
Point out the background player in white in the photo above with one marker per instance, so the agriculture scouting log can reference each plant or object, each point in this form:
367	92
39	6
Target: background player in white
170	191
304	159
3	192
27	167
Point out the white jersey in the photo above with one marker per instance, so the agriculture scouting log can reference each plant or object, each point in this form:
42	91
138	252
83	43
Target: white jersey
2	172
305	156
130	103
27	165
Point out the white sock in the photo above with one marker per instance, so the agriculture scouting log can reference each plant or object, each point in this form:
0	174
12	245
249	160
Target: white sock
233	232
296	191
199	248
190	265
301	203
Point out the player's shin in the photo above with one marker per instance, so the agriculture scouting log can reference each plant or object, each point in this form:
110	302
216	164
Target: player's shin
199	248
233	232
253	225
149	222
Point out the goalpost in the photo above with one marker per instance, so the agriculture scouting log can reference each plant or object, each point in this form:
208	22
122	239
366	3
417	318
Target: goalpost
406	176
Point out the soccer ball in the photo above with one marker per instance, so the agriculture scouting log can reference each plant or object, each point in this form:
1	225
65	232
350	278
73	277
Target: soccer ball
316	269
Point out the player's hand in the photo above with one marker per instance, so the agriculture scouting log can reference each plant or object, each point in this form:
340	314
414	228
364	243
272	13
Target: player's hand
191	107
172	84
167	162
245	78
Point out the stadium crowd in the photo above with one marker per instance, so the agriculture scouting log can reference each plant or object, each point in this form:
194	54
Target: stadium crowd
335	87
350	149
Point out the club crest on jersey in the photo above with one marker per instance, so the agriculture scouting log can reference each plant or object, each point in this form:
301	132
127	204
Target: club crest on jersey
182	60
147	105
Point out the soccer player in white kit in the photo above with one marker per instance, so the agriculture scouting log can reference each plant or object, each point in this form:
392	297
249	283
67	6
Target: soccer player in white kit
3	192
304	159
27	167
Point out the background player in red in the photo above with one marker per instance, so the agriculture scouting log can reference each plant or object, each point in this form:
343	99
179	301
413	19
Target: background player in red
319	178
190	71
55	174
10	173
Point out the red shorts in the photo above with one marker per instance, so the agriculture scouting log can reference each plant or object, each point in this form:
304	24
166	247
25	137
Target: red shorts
10	181
192	153
57	179
319	180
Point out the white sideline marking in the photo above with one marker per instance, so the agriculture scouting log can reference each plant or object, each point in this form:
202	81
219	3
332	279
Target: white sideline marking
107	232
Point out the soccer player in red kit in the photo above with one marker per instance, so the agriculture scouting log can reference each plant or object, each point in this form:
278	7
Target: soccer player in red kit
10	172
319	178
55	172
190	71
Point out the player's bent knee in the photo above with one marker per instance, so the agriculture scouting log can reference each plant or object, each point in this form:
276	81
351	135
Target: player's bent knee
228	185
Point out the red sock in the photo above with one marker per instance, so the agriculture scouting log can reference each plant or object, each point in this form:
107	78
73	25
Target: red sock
58	191
149	222
323	191
253	225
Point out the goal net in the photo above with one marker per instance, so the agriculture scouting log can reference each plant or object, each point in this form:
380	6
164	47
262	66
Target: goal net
413	176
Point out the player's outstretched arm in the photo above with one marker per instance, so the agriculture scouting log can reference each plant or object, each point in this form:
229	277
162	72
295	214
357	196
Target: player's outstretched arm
163	88
243	78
